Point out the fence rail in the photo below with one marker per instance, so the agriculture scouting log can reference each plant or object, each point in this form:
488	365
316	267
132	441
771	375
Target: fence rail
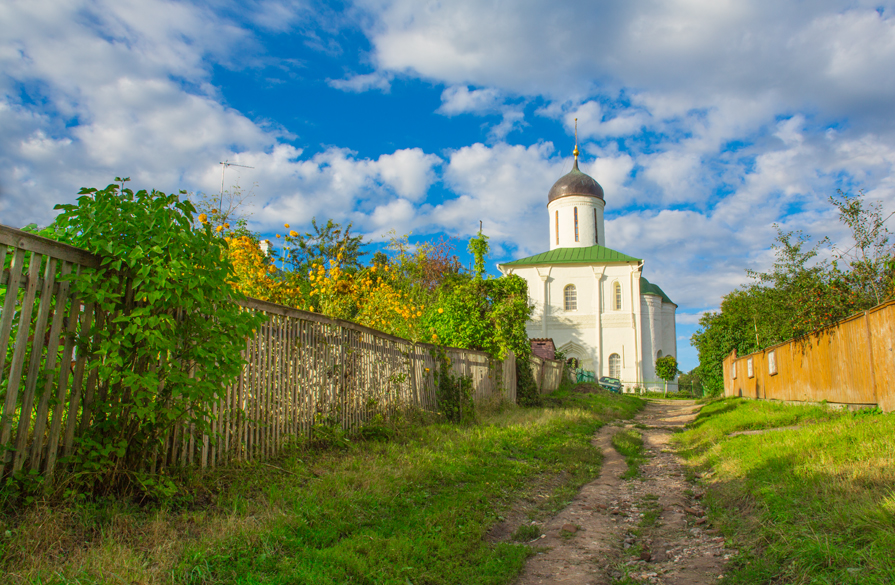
301	369
849	363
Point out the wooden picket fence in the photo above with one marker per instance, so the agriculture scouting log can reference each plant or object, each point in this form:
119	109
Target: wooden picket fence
302	369
851	363
547	373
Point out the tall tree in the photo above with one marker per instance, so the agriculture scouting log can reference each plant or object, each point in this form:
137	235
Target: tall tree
329	242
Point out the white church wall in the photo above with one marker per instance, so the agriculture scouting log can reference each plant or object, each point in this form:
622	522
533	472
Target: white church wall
652	337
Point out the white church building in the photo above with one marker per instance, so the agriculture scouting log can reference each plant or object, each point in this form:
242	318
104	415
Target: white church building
593	301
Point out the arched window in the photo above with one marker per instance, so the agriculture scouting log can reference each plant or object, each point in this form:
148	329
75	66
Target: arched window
596	239
617	297
576	224
557	227
570	298
615	366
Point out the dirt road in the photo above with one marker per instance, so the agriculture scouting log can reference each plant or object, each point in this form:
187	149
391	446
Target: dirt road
649	529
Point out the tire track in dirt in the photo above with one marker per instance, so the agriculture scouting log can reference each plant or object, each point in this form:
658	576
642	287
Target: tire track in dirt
649	529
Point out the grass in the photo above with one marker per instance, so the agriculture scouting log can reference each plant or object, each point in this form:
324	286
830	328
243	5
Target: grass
416	509
668	396
629	442
526	533
809	505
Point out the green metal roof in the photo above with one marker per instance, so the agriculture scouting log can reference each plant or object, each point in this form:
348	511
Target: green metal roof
589	255
648	288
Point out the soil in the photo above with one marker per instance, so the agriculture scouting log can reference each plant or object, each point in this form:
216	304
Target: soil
649	529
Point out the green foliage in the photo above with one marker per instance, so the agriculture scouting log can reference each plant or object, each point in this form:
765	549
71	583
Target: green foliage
526	533
453	393
170	338
666	367
479	248
527	391
324	244
869	265
488	315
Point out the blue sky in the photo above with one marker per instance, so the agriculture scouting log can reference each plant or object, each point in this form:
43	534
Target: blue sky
705	121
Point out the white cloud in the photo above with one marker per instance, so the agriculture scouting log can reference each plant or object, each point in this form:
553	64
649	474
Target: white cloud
458	99
335	184
363	82
409	172
504	186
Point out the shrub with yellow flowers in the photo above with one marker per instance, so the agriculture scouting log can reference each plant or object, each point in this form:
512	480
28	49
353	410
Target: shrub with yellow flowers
255	274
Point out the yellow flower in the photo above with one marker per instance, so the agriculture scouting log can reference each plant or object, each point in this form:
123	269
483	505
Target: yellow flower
278	235
419	314
286	225
271	269
311	309
203	218
219	228
441	310
227	225
292	233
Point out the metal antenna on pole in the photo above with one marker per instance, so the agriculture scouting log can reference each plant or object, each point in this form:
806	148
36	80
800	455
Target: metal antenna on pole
224	166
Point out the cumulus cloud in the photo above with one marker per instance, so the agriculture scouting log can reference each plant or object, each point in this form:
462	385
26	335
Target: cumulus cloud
337	184
504	186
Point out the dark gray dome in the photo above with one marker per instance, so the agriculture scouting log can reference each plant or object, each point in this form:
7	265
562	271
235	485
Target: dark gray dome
575	183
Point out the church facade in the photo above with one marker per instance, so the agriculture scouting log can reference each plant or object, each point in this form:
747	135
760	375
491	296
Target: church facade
593	301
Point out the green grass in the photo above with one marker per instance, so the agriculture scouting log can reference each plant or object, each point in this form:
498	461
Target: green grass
526	533
668	396
416	509
629	442
809	505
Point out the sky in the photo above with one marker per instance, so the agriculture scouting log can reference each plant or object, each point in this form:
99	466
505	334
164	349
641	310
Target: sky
707	122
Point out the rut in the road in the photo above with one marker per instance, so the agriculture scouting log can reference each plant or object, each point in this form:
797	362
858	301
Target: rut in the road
650	529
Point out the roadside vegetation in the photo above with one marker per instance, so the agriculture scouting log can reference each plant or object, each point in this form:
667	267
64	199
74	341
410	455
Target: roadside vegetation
811	504
411	503
811	285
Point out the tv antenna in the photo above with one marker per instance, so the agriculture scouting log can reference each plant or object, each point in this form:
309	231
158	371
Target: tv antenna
224	166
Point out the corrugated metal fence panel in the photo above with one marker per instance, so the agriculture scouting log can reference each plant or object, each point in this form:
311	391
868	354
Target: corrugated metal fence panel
852	362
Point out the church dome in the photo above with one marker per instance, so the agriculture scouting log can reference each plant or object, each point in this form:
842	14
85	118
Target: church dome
575	183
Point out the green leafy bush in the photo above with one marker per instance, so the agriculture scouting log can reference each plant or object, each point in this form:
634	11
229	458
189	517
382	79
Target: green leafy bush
169	340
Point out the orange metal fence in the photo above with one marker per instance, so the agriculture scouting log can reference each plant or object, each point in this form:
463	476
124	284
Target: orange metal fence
849	363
